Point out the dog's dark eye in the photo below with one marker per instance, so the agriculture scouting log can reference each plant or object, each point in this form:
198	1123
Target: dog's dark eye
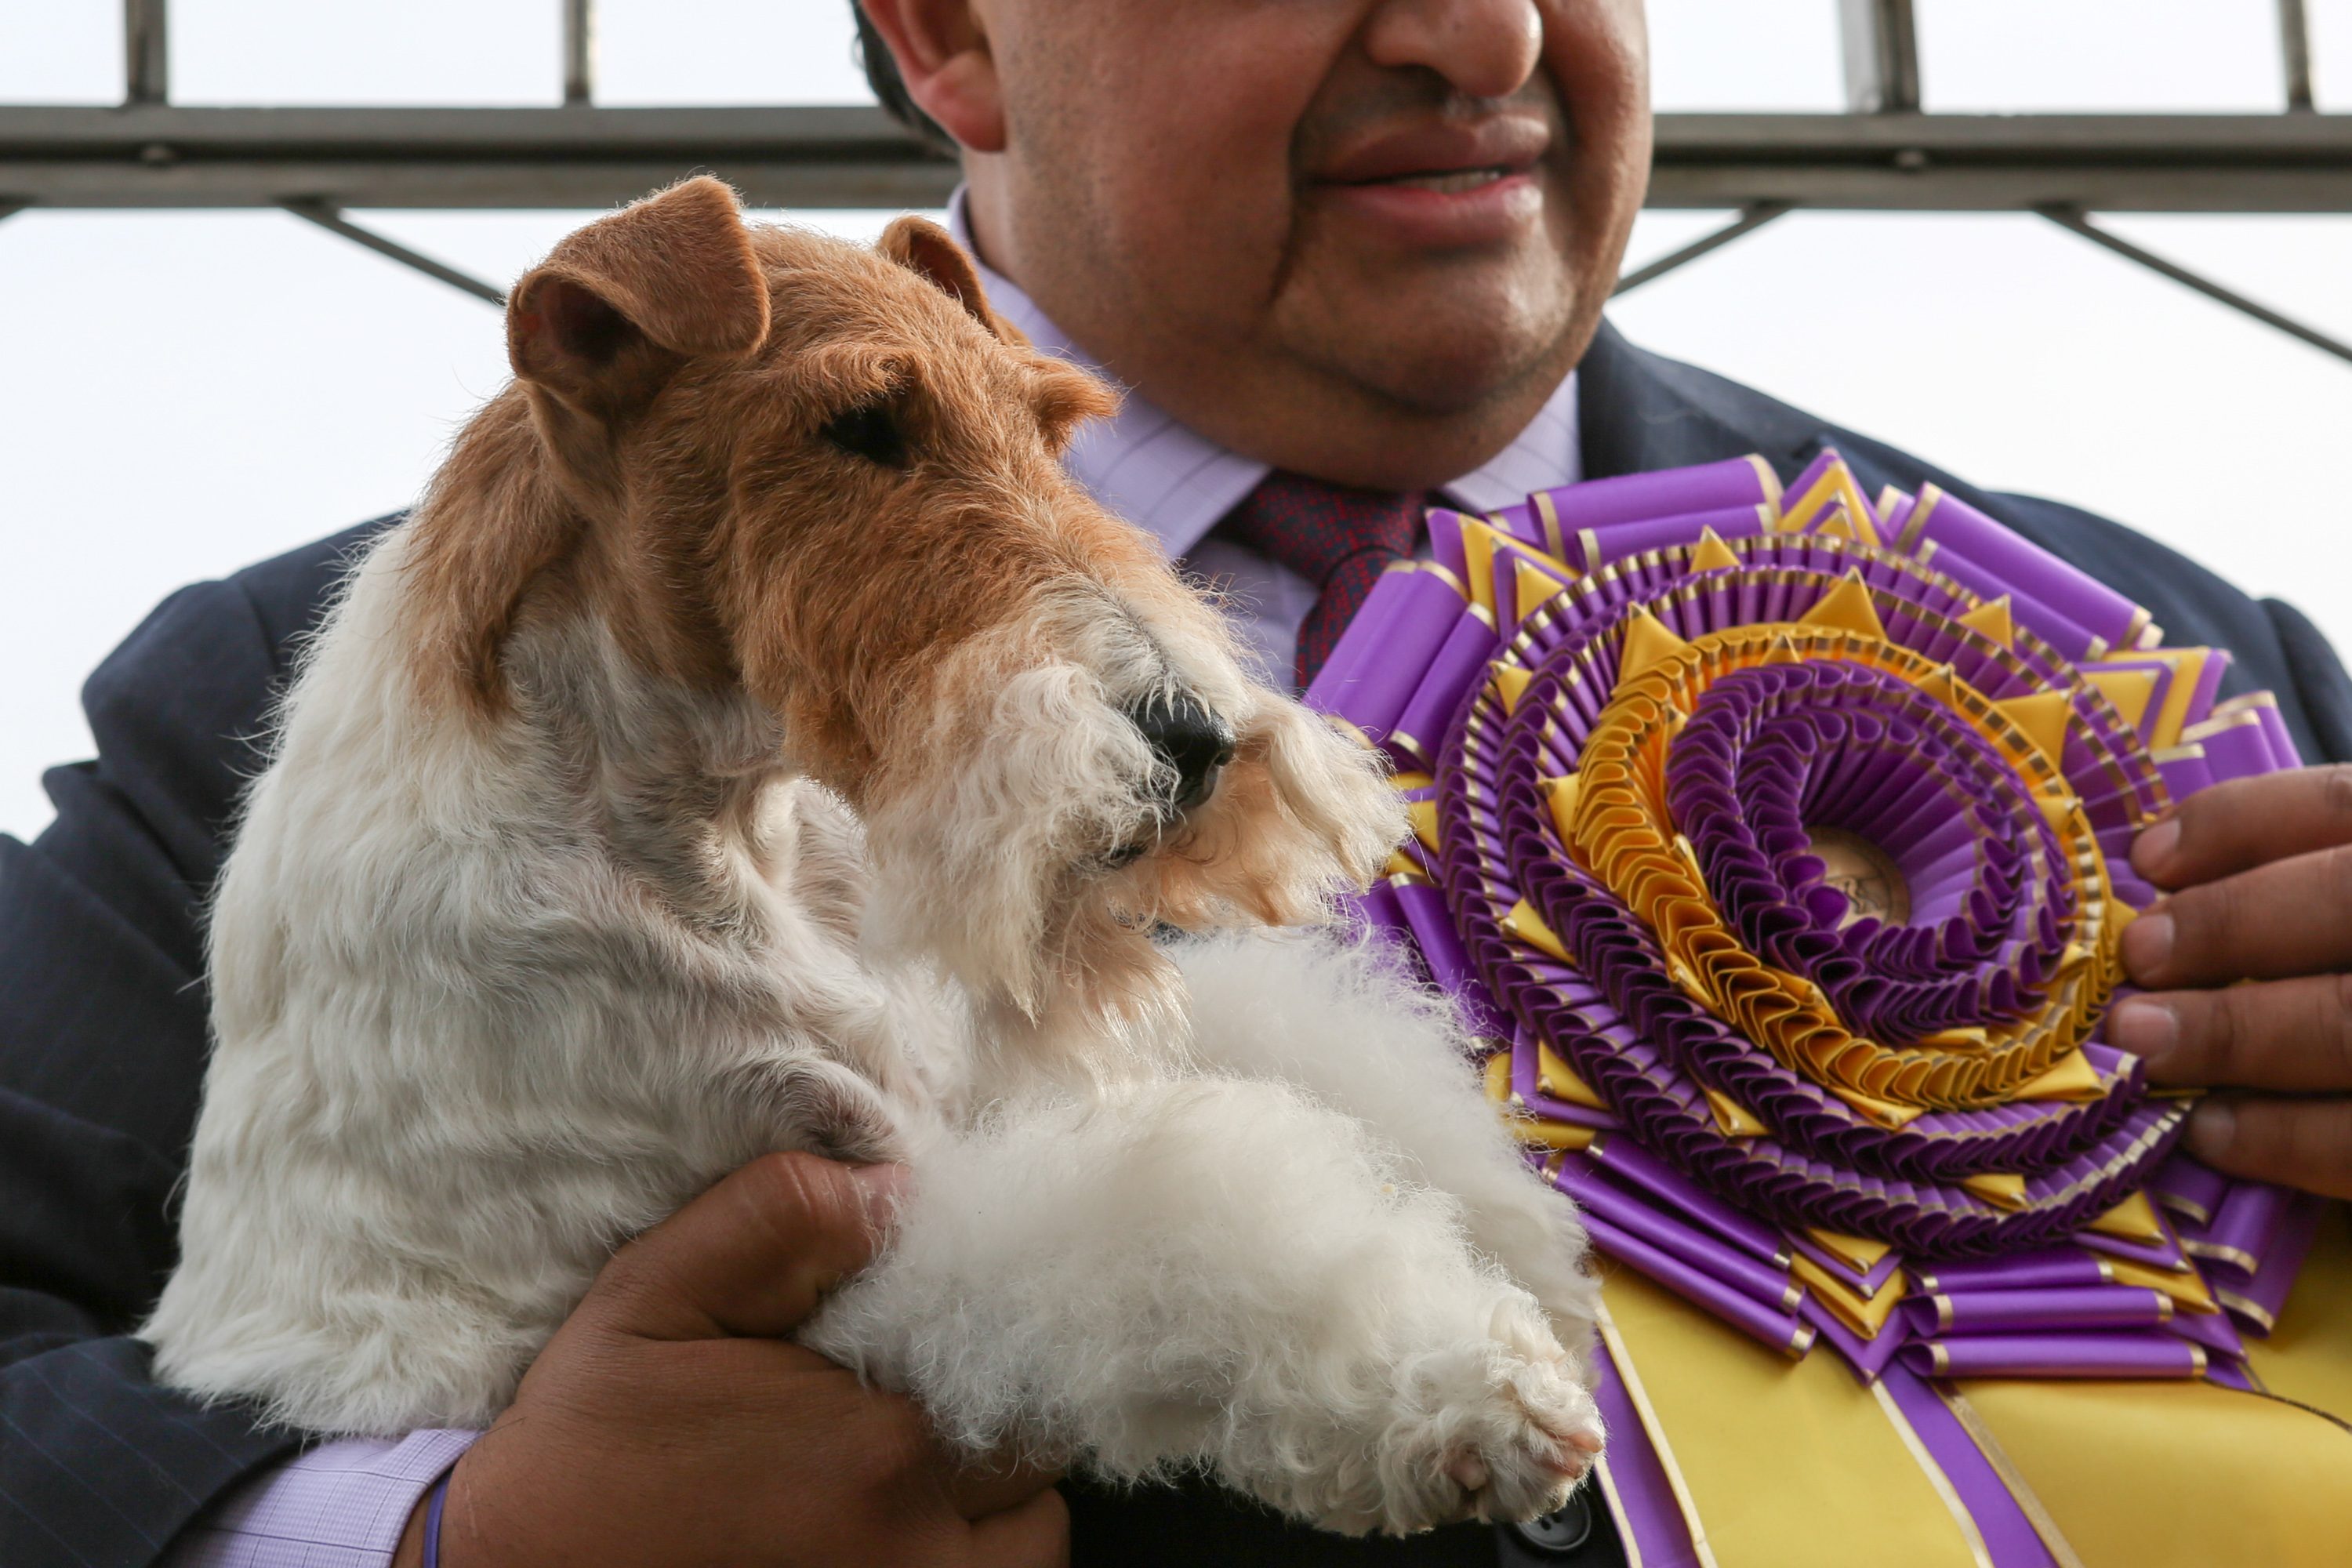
869	431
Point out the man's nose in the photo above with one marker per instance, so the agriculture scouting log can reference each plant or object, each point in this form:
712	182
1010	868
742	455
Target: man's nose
1485	48
1191	743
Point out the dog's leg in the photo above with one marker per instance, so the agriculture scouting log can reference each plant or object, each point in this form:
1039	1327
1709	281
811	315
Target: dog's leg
1221	1273
1334	1017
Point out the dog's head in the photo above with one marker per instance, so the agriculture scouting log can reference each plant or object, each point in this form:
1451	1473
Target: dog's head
829	478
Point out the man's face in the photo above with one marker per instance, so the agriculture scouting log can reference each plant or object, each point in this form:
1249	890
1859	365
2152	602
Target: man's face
1361	238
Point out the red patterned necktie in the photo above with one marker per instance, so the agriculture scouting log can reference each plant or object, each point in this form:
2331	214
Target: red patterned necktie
1338	538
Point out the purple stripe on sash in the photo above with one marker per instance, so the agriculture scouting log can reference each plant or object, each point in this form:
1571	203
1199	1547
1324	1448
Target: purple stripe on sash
1647	1513
2008	1534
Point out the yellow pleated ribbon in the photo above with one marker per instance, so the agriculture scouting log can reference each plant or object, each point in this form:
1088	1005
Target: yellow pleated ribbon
1620	832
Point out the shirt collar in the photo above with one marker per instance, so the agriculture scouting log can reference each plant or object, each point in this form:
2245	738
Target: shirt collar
1178	484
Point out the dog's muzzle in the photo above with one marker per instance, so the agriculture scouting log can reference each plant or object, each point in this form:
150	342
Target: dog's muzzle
1193	744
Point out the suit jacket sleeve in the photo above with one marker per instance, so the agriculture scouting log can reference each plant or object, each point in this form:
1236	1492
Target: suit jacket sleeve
2320	682
103	1052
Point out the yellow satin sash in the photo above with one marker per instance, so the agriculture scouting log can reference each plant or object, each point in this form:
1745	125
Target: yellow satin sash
1793	1463
1786	1463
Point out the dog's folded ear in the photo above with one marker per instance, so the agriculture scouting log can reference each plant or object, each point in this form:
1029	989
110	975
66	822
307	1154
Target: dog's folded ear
928	251
617	307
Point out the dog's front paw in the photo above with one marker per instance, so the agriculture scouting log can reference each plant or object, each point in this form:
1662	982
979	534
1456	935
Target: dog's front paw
1505	1430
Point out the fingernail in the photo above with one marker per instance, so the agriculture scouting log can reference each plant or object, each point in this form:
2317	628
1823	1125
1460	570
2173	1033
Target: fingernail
879	1188
2143	1026
2212	1127
2155	846
2147	945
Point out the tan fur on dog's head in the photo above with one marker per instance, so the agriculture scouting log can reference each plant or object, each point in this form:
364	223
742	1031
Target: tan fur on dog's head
828	479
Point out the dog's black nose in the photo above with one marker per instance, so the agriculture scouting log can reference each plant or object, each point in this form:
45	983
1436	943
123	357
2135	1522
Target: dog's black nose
1193	741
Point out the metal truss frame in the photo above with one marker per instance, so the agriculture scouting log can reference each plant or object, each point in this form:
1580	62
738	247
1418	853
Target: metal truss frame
1884	154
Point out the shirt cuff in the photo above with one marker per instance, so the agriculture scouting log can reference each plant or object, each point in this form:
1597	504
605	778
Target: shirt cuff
340	1504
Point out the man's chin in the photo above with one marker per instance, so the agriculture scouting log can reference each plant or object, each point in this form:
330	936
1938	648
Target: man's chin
1445	343
1427	366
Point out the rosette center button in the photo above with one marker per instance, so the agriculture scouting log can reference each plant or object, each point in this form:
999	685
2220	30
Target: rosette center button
1868	876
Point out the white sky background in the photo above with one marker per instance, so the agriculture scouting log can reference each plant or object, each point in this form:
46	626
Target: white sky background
182	394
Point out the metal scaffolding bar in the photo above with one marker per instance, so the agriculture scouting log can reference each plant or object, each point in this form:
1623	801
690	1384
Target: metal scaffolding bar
1749	222
842	156
1882	56
2294	54
146	46
2073	218
334	221
579	51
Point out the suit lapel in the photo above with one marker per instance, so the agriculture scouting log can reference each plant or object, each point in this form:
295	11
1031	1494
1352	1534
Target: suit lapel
1638	413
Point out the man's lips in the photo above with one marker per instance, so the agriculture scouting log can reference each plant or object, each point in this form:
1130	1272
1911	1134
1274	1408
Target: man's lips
1447	181
1438	152
1440	185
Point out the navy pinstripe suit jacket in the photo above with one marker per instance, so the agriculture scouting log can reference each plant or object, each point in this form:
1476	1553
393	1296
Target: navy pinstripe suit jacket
102	1008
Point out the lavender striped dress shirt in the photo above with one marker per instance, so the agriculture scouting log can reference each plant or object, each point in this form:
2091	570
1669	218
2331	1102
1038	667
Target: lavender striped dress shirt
344	1505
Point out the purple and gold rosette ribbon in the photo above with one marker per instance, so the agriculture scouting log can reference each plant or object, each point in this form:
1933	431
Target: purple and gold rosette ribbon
1778	841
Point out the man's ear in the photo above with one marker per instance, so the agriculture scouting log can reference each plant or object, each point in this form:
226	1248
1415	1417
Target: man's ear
946	66
930	252
616	308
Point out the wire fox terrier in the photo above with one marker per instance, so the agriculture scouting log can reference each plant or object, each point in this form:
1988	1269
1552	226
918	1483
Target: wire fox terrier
756	742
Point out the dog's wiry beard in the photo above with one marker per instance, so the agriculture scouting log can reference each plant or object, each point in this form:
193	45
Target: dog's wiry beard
997	821
1022	839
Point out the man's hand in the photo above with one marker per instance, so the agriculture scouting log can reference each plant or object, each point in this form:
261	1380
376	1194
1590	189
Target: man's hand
669	1421
2261	870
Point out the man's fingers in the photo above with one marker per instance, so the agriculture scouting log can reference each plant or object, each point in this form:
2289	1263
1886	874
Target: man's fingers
991	1487
2304	1144
1035	1534
2291	1034
2245	823
754	1254
2288	917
